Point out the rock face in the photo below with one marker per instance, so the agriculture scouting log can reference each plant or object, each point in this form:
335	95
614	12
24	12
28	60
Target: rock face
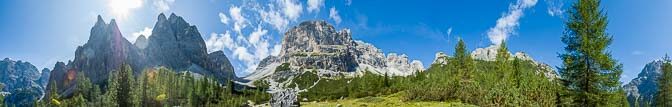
440	58
490	54
105	51
173	44
176	44
141	42
317	45
22	81
643	88
487	54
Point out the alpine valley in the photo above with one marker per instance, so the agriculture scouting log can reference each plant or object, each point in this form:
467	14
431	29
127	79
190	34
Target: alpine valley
319	53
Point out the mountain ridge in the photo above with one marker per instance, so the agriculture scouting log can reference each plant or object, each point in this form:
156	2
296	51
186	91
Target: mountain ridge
318	45
174	44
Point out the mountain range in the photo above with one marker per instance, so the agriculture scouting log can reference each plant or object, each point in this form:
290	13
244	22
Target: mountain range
318	45
177	45
21	82
174	44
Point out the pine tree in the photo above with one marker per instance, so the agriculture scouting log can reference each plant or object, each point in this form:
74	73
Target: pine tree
463	62
664	96
464	87
589	71
124	90
111	91
96	99
53	95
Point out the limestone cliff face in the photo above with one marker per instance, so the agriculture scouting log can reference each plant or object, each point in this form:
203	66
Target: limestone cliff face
315	44
318	45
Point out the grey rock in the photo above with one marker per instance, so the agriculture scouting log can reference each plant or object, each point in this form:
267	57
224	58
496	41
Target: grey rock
644	87
21	82
141	42
174	44
317	45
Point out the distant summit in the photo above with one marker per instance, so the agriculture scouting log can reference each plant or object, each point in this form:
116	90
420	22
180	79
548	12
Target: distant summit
642	89
23	83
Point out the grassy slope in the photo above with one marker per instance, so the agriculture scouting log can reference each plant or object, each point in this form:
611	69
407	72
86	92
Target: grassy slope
393	100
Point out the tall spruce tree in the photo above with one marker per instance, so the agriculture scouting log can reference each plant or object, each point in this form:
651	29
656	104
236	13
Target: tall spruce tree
111	97
664	96
463	63
588	70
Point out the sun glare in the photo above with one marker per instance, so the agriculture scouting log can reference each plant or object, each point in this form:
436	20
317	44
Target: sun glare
122	8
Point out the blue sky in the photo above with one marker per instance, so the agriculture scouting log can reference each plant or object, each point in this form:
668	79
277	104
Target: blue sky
43	32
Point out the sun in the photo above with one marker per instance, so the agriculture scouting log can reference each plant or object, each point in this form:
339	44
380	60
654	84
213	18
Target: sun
122	8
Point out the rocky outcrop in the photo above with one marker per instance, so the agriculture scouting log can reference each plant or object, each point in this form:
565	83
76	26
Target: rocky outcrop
490	54
174	44
141	42
22	81
219	66
440	58
105	51
643	88
317	45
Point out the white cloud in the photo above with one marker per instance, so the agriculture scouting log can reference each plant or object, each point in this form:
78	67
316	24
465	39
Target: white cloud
241	53
223	18
555	7
163	5
448	33
218	42
333	14
274	18
256	35
507	24
291	8
237	16
146	31
315	5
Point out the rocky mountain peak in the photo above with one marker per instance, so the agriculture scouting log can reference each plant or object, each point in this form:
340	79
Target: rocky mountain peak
22	79
644	87
318	45
440	58
487	54
490	54
161	18
174	44
141	42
